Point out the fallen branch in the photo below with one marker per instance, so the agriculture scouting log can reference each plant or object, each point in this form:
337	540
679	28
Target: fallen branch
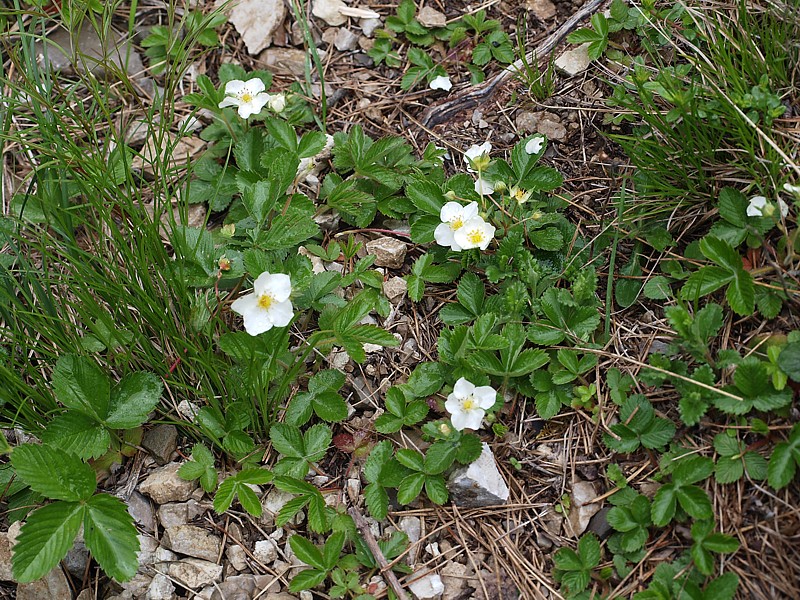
372	544
475	95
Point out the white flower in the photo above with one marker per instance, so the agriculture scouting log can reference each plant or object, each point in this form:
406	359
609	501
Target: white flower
468	404
474	152
792	189
442	82
248	96
484	187
520	195
453	217
759	206
475	233
268	306
277	102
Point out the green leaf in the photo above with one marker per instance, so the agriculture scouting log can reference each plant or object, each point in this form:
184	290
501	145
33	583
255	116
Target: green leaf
288	440
80	385
45	539
782	465
733	207
658	288
789	360
691	470
436	489
695	502
723	587
427	196
583	35
132	399
425	380
307	552
664	505
471	293
317	439
330	407
200	467
439	456
332	549
704	281
53	473
741	293
589	551
111	536
377	501
307	579
410	488
77	433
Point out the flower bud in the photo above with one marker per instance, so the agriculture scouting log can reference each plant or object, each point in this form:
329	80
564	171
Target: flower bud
450	195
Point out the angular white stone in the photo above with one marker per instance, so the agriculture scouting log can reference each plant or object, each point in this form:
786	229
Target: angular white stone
427	587
256	21
478	484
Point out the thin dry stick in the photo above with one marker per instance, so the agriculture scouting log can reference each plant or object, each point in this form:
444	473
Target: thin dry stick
372	544
440	113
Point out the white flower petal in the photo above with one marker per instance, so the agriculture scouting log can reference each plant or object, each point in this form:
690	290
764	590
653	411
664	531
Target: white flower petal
281	313
792	189
451	211
783	207
257	322
279	286
235	87
443	234
460	420
453	404
245	304
476	233
472	419
485	395
756	206
229	101
463	388
534	145
484	187
254	86
442	82
470	211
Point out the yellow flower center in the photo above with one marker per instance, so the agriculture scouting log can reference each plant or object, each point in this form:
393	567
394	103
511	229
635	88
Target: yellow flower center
468	403
519	195
475	236
265	301
456	223
247	97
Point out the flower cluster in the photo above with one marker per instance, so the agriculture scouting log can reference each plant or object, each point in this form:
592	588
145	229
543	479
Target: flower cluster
268	306
462	228
468	404
250	98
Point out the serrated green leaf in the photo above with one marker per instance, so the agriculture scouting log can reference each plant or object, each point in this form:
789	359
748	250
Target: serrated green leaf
132	399
410	488
589	551
54	473
80	385
317	440
77	433
436	489
45	539
111	536
288	440
307	552
782	466
377	501
664	505
695	502
439	456
307	579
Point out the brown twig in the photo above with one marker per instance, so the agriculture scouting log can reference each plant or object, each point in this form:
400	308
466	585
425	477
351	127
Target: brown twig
372	544
440	113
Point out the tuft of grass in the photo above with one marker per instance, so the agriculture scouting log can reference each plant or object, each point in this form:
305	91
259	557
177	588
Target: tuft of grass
541	84
705	110
83	257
